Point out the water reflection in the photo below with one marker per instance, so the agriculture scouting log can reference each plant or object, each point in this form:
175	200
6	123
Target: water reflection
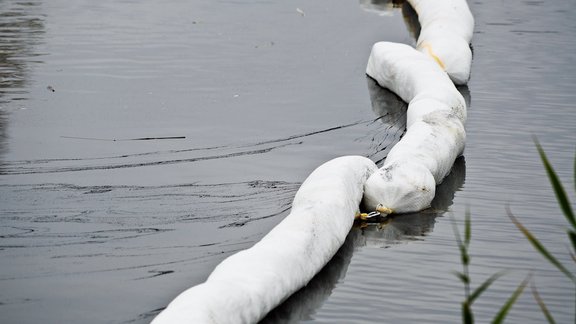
402	228
465	92
381	7
411	19
3	135
21	28
386	7
391	112
390	108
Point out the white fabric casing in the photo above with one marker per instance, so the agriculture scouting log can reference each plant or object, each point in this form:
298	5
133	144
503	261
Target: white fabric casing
435	134
446	31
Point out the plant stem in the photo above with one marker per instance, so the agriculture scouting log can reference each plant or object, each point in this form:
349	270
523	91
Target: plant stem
467	284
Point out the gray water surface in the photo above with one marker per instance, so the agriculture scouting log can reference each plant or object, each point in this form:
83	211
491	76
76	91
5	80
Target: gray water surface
142	142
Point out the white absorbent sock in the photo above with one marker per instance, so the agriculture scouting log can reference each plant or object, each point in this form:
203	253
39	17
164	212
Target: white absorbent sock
247	285
446	31
415	78
435	134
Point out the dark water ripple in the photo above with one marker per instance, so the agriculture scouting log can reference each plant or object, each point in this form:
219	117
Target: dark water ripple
135	205
29	167
190	155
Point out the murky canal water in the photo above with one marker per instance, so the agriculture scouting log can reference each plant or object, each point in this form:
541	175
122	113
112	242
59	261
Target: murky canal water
142	142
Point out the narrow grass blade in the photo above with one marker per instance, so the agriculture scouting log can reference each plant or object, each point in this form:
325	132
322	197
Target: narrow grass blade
542	305
539	247
456	231
478	291
467	228
561	196
572	236
464	278
506	308
465	258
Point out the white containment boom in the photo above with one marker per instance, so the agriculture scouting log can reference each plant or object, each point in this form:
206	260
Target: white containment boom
445	35
247	285
435	134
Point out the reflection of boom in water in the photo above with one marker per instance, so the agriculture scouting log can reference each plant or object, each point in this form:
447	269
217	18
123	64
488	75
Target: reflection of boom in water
381	7
391	112
386	7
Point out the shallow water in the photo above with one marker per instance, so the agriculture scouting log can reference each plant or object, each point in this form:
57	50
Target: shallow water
101	223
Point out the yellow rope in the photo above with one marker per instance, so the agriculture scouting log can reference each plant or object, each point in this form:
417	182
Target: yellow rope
436	58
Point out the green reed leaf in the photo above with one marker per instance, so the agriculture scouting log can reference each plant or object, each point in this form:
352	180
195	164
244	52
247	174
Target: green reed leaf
478	291
467	228
572	236
543	307
464	278
464	256
561	196
539	247
506	308
456	231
